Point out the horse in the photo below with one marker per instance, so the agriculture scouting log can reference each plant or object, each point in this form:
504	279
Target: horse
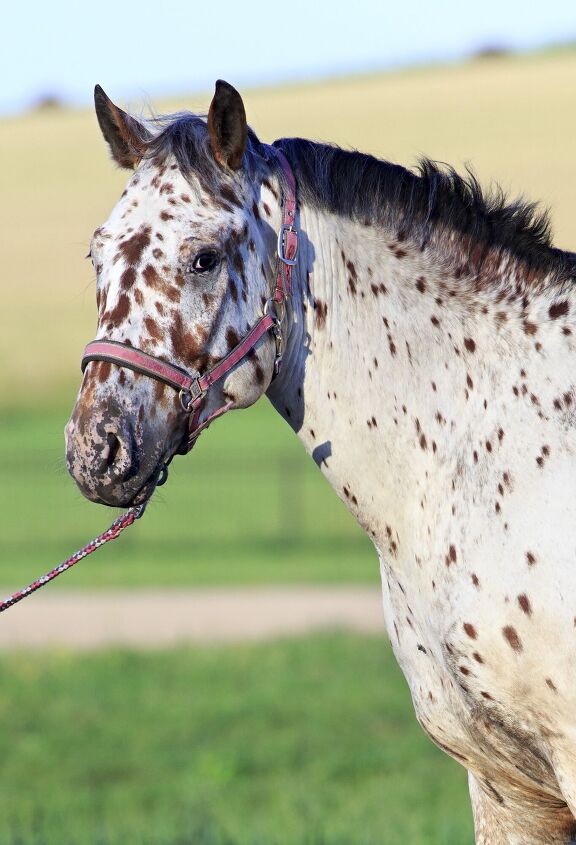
419	336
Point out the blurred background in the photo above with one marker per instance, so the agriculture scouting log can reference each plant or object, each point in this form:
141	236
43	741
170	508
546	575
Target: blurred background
309	739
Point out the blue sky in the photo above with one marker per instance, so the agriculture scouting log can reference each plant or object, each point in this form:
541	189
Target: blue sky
142	49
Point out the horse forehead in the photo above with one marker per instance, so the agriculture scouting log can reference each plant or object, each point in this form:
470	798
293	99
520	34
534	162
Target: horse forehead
162	198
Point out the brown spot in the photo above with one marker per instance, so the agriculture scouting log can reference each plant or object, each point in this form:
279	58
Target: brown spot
435	321
152	278
352	285
133	247
452	553
550	683
487	696
165	215
232	338
119	312
421	284
184	344
321	310
529	328
470	630
185	198
167	188
423	443
488	446
559	309
478	657
139	297
127	278
525	605
531	558
469	344
157	253
104	368
475	580
464	670
511	636
153	328
159	307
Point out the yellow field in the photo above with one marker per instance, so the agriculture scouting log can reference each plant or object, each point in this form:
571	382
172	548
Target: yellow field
511	118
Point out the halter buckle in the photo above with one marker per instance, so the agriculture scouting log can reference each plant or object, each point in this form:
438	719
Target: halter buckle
285	230
190	396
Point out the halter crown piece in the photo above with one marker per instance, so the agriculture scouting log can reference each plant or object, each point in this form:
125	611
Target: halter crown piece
193	387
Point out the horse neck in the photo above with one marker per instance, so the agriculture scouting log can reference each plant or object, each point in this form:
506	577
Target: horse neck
392	368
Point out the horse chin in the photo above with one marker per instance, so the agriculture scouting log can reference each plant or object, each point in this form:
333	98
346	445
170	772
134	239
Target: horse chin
123	495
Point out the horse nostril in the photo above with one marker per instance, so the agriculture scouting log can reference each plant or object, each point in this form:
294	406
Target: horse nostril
109	453
112	447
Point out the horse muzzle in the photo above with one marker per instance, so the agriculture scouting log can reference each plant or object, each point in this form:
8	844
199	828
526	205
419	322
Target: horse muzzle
111	463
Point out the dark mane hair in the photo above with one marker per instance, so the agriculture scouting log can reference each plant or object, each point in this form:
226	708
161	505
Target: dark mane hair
418	205
425	204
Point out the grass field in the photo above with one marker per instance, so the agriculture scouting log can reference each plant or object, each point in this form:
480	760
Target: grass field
309	742
247	507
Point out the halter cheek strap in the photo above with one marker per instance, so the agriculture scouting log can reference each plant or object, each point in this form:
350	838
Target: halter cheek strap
193	387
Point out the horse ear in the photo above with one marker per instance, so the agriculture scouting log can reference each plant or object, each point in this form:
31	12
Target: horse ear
227	126
125	136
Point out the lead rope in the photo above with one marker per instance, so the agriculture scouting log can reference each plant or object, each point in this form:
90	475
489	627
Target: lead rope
117	527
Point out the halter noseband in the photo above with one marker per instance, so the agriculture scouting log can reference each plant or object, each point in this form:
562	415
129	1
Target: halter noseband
193	387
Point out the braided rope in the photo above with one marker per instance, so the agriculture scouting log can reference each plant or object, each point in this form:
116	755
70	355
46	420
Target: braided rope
123	521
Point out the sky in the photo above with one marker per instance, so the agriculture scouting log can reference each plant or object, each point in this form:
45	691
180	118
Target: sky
143	50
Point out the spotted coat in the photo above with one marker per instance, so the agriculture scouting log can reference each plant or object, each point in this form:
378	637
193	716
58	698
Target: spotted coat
439	406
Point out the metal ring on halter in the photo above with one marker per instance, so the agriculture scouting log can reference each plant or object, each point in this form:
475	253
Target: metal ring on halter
163	477
275	309
188	397
185	400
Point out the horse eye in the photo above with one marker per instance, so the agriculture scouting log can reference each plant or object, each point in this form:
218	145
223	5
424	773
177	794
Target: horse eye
204	262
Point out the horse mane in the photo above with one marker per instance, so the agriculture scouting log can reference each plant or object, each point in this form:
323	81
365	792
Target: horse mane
425	205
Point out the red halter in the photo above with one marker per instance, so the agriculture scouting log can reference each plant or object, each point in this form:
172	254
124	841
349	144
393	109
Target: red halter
193	388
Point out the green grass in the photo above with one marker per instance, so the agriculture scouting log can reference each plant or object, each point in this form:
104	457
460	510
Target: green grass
305	742
247	506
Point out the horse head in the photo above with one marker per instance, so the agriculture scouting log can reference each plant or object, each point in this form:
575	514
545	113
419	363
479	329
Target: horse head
185	267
